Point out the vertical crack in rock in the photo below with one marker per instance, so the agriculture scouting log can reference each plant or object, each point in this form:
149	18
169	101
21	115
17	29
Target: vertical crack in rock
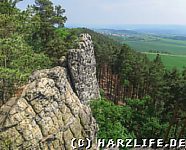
40	127
49	113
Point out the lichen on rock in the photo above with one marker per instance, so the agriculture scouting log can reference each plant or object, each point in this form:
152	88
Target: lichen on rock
82	66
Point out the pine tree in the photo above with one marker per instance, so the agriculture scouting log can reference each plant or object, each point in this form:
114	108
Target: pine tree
48	17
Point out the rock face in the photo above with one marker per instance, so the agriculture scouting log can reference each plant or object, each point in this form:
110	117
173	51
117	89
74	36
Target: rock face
82	66
49	113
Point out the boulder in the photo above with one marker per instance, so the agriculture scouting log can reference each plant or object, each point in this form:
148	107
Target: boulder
50	111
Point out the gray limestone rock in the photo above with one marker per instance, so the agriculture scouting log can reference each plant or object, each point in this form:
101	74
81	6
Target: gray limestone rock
82	66
49	113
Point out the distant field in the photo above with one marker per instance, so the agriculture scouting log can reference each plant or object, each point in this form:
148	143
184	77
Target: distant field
170	61
177	47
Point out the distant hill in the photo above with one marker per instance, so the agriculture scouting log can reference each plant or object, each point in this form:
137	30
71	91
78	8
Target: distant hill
114	31
165	30
145	41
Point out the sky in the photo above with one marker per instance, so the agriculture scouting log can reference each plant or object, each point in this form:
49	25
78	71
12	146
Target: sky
121	12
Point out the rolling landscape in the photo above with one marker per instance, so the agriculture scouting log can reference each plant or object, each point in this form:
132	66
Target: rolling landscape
170	44
83	87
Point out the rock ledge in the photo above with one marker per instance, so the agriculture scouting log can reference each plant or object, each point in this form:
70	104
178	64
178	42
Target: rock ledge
49	113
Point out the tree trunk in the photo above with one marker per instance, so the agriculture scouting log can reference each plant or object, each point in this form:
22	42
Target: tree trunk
171	123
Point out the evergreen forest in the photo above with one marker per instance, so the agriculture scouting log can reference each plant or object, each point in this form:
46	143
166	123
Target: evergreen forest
140	97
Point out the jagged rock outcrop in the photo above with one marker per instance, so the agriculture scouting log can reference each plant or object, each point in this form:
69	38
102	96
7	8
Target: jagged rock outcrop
49	113
82	66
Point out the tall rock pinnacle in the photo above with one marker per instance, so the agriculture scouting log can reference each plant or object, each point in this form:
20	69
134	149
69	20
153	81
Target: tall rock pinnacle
82	66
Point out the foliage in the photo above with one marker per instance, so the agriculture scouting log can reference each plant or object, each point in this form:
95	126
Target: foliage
16	54
27	38
144	122
46	18
155	95
17	62
111	119
153	98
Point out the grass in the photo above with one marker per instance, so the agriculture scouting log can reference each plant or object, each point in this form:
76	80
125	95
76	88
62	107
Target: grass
177	47
170	61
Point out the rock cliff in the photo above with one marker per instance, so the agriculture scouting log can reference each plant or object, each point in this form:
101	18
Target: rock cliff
52	107
82	66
